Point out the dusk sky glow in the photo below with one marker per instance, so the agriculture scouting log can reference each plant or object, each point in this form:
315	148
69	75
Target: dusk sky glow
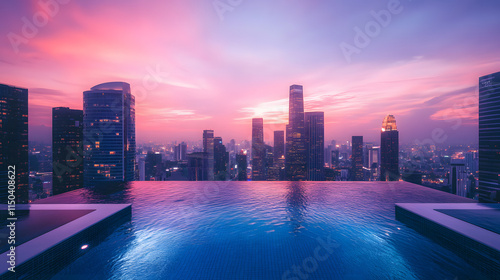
191	69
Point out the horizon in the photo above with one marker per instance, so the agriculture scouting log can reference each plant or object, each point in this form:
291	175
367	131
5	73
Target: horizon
196	67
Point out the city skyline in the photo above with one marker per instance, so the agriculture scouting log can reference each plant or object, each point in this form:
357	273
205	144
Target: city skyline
228	81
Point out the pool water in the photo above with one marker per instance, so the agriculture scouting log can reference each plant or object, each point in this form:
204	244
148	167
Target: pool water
265	230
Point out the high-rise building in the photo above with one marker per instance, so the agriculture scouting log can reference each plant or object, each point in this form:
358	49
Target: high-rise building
459	178
109	134
357	159
67	149
389	150
489	138
374	163
198	166
241	163
279	144
221	160
315	145
295	159
14	142
208	148
152	166
258	150
180	152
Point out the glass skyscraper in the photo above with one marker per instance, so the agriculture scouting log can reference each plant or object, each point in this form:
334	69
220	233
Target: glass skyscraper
315	145
357	159
258	150
489	138
109	133
14	141
389	150
67	149
208	148
295	158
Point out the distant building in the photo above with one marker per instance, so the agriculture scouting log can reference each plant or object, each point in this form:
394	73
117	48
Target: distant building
198	166
153	167
489	138
389	150
458	178
208	148
279	145
14	142
357	159
258	150
315	145
109	134
295	158
180	152
67	149
221	160
241	163
374	163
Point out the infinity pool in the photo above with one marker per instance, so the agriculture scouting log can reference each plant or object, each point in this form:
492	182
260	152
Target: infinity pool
265	230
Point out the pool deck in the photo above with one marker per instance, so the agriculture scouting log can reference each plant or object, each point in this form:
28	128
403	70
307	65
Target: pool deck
42	253
477	245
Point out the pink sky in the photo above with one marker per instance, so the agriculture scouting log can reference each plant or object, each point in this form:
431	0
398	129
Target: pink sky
216	72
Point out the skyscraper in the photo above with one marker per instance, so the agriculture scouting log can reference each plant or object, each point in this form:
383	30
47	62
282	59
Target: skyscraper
241	163
221	160
180	152
357	159
489	138
208	148
109	133
458	178
315	145
279	144
295	159
389	150
258	150
152	166
14	142
67	149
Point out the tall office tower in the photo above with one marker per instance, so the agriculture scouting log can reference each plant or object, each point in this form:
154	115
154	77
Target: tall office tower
389	150
295	159
221	160
472	161
357	159
14	142
335	159
374	163
258	150
198	169
109	134
152	166
241	163
459	178
208	148
180	151
315	145
279	144
67	149
489	138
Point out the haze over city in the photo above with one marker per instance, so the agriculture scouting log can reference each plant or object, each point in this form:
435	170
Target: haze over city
196	65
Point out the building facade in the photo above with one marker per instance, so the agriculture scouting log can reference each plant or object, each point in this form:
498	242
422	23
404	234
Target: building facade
208	148
357	159
389	150
489	138
314	123
109	133
258	150
14	142
295	158
67	149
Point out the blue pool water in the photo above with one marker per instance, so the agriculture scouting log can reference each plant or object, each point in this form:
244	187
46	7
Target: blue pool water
265	230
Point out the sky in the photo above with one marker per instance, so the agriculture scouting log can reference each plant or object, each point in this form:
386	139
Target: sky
205	64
